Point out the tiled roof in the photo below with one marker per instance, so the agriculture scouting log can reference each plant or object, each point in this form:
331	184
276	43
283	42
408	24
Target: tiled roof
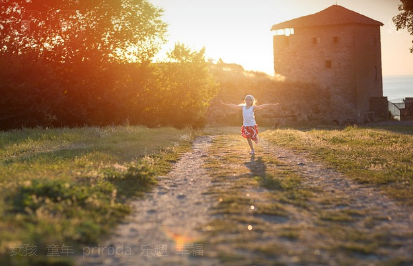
330	16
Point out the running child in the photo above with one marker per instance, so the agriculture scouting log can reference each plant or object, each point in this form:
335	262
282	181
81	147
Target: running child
249	129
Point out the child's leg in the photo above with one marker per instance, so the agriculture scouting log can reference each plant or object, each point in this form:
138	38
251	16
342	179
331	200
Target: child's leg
250	143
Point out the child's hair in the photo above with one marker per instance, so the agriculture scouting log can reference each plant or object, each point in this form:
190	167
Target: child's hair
254	101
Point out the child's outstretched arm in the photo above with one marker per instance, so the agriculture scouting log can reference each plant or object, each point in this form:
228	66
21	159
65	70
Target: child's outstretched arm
265	105
234	106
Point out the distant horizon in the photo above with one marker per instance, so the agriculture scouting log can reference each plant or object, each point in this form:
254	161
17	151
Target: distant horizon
398	87
401	75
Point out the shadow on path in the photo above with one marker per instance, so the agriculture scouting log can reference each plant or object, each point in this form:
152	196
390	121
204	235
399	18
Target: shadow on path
257	166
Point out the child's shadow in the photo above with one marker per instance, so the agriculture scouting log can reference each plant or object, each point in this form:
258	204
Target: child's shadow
257	166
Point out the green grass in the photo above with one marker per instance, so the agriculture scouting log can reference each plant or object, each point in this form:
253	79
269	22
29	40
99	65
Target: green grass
375	156
71	186
266	215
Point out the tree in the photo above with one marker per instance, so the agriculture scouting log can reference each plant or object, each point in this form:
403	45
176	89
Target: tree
73	31
185	90
405	18
66	62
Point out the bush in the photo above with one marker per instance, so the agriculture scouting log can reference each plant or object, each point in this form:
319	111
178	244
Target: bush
46	94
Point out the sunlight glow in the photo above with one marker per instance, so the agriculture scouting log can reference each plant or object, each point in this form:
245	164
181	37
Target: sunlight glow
238	31
286	32
180	239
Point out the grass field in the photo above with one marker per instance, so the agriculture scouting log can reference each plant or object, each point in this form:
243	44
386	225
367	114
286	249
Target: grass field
266	215
377	156
66	187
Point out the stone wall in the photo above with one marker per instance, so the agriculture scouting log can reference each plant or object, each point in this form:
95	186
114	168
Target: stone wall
379	108
368	66
407	111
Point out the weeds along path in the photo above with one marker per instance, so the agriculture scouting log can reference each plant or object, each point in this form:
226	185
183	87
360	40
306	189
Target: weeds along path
280	207
165	227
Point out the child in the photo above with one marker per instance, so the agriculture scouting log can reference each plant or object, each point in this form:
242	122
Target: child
249	129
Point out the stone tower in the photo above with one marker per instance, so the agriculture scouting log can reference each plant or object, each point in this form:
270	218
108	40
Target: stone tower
341	51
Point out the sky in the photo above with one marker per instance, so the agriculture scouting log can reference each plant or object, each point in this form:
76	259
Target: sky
238	31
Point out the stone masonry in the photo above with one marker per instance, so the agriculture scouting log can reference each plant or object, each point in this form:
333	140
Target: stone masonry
340	50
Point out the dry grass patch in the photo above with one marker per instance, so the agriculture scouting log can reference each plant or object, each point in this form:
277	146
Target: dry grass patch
377	156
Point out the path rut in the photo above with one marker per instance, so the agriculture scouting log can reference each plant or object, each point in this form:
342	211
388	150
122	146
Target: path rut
165	227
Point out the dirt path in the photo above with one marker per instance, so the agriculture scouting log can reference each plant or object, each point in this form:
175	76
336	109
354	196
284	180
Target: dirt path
165	228
212	210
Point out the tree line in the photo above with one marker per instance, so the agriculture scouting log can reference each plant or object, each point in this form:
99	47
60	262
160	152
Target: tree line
75	63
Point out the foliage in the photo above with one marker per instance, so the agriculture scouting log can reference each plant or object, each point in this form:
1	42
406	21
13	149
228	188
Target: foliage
186	88
405	18
77	31
73	63
44	93
92	67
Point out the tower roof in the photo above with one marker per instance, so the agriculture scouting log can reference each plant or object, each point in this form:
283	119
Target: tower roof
332	15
